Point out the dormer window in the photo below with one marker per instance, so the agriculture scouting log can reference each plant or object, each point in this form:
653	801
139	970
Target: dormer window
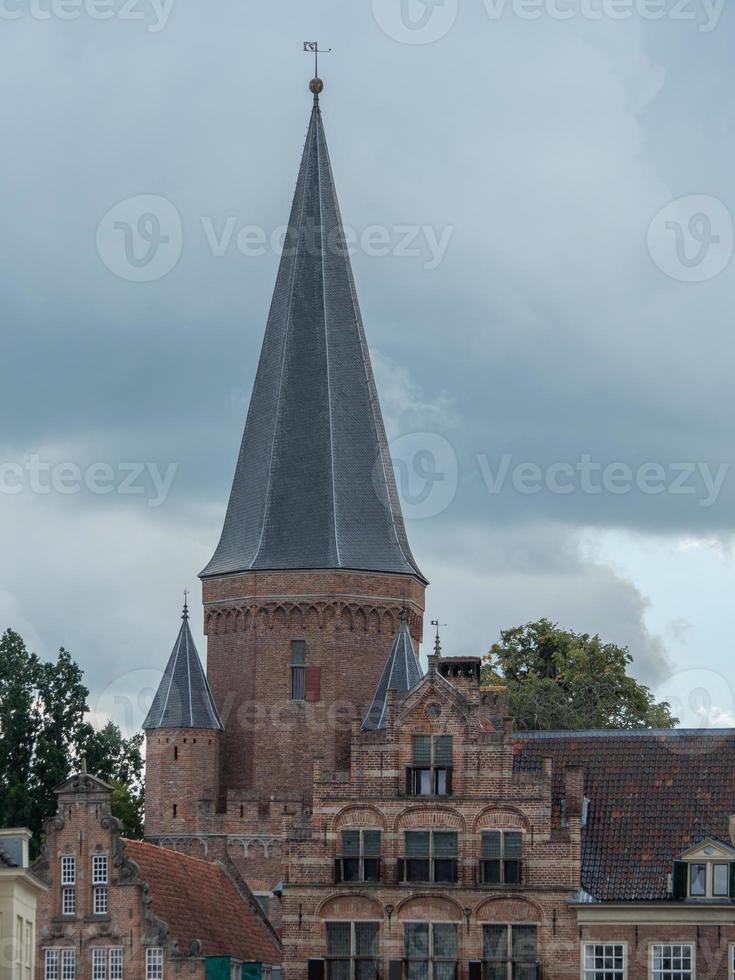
705	872
430	772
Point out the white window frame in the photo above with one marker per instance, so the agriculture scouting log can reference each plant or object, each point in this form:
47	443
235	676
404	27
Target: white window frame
661	975
590	974
99	963
115	969
68	869
154	963
68	964
51	964
99	861
69	892
100	903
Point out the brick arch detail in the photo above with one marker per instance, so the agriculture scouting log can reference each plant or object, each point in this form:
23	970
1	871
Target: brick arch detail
359	905
421	816
359	816
240	617
435	905
505	817
501	909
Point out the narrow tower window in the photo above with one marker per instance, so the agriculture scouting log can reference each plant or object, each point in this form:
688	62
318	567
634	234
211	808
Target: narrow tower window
298	666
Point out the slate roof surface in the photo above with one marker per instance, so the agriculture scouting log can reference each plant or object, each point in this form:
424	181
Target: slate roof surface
653	795
401	672
183	698
199	900
314	485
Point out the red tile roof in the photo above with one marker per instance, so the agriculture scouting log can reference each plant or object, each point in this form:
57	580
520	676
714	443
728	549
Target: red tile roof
199	900
652	796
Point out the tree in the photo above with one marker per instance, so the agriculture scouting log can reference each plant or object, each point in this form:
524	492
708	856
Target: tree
558	679
44	734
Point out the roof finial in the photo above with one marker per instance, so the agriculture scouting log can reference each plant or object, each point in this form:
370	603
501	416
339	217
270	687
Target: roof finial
185	613
316	85
437	641
83	764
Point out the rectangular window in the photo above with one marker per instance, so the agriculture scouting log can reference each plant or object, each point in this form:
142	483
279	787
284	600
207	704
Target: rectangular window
99	900
99	964
28	951
99	869
68	901
298	665
672	961
604	961
353	950
68	964
431	950
510	952
360	857
154	963
720	880
501	861
51	964
431	855
698	880
68	870
431	771
116	963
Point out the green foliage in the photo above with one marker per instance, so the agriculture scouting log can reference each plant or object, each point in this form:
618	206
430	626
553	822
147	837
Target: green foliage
561	680
43	736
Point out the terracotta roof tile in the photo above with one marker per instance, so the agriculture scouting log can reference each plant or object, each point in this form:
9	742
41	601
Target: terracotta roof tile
199	900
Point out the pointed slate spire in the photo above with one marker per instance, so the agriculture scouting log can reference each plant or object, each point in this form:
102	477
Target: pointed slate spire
314	485
401	673
183	698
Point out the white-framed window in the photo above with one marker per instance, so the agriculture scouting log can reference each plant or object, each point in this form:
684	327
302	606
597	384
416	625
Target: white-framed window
99	964
99	869
116	963
99	900
604	961
51	964
60	964
672	961
68	900
154	963
68	869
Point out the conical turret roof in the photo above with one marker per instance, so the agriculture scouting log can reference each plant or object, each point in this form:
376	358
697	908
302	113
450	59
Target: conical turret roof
314	486
402	672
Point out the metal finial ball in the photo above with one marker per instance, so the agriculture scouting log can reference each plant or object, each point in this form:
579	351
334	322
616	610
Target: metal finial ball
316	85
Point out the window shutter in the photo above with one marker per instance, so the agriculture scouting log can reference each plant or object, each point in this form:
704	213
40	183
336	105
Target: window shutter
409	781
350	843
395	970
315	970
371	843
313	684
513	845
400	870
680	879
338	871
732	879
449	781
475	971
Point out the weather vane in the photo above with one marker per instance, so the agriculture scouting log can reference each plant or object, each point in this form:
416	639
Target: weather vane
185	614
313	47
437	641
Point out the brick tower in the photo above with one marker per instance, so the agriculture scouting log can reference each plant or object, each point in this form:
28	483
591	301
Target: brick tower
304	593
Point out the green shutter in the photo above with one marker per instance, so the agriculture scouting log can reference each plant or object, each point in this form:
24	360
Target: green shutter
443	750
350	843
371	843
251	971
217	968
732	879
422	750
513	841
298	652
680	879
491	845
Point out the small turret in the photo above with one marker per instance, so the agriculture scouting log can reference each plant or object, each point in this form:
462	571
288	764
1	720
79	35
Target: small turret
401	672
183	734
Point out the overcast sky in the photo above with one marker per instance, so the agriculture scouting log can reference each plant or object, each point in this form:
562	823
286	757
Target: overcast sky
540	194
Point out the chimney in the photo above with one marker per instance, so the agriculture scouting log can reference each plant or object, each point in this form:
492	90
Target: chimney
462	672
574	792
